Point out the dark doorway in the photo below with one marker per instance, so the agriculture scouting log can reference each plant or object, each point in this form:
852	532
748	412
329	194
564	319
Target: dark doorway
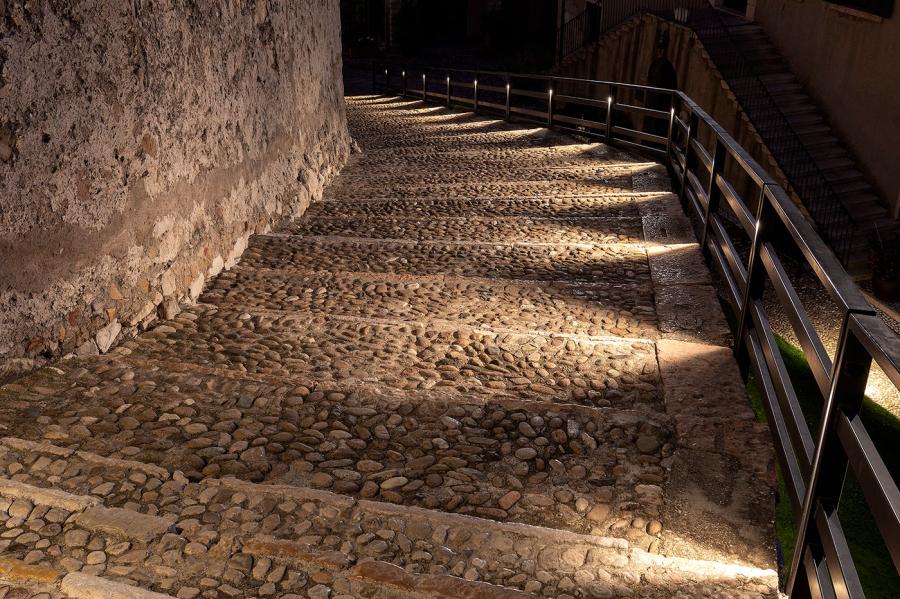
739	6
662	74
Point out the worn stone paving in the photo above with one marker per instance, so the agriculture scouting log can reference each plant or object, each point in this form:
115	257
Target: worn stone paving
489	363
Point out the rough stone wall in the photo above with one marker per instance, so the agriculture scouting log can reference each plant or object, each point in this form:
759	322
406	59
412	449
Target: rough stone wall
141	143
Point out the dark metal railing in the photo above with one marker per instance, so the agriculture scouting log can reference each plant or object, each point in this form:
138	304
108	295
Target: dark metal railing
728	194
580	30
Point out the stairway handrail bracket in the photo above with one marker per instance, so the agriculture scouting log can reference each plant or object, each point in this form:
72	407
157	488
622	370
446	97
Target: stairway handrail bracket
727	193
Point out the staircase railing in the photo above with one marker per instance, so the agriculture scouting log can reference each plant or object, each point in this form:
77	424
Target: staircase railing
580	30
730	197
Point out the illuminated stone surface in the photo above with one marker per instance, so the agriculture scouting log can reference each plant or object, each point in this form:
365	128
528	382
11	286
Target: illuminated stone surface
476	389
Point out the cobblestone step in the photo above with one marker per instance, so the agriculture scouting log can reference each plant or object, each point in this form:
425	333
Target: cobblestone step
468	188
231	538
601	309
607	206
393	357
439	157
479	229
623	263
566	467
614	177
414	141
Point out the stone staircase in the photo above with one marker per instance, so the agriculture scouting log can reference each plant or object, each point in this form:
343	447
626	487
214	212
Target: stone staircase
480	367
839	167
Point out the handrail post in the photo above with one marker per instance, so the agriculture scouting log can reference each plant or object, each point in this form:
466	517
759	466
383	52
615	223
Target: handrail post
829	468
424	88
508	88
387	80
475	93
713	193
671	130
448	91
403	73
610	101
550	105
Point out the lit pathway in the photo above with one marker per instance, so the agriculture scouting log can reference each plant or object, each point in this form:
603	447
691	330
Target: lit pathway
490	356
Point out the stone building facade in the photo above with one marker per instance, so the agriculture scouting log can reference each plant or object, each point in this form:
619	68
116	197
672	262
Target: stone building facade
141	144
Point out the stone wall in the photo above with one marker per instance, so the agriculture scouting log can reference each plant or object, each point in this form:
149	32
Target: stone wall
141	144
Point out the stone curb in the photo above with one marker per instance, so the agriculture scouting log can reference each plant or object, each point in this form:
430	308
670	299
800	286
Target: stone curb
36	446
50	497
17	571
419	585
148	469
77	585
124	524
267	546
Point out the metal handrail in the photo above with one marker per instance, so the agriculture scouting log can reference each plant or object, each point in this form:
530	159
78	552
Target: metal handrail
814	466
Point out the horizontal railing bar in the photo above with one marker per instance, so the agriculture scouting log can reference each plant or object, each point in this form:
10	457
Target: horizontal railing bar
577	121
699	210
874	478
818	580
580	101
801	438
826	266
838	559
701	193
816	356
639	135
529	94
702	154
643	148
880	343
679	156
738	207
738	270
534	113
790	467
657	114
735	295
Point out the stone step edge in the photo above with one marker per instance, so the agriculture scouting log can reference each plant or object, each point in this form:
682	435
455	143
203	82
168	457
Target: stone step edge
639	559
371	392
123	523
377	393
430	585
600	167
88	512
390	277
594	147
328	239
633	195
468	219
431	325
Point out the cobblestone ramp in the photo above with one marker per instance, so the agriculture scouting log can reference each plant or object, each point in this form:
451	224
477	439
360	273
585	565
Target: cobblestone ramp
488	364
